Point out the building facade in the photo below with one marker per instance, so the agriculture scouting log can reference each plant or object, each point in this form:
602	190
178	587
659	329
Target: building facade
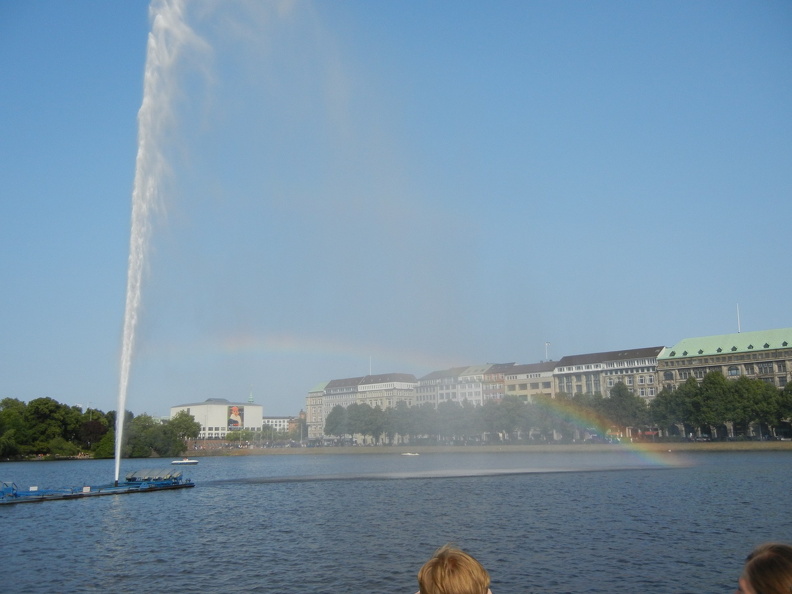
530	380
598	373
764	355
383	390
218	417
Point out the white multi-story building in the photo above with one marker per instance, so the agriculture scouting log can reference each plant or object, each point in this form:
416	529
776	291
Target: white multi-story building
218	416
277	423
387	390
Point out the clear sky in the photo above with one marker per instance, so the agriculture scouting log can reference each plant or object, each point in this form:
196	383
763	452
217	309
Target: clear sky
387	186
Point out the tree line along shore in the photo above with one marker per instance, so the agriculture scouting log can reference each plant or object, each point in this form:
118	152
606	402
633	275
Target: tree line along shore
730	413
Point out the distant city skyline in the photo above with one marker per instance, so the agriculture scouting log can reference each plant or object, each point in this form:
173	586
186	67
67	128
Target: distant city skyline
393	187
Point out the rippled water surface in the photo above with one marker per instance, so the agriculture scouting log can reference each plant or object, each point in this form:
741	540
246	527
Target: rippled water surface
365	523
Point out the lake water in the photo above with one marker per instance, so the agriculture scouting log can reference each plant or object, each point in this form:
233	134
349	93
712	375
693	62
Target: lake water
593	522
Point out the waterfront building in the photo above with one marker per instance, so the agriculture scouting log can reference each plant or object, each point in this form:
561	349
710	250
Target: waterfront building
645	371
764	355
439	386
471	385
218	416
315	411
530	380
384	390
276	424
493	384
387	390
474	383
598	373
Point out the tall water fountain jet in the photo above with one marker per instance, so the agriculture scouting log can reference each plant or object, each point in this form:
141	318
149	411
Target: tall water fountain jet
168	38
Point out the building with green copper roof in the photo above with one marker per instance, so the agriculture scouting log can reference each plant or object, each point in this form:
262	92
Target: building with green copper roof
765	355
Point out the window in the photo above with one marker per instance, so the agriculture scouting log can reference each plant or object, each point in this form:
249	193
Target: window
629	381
765	368
781	366
534	385
546	385
650	379
641	380
733	370
749	369
668	376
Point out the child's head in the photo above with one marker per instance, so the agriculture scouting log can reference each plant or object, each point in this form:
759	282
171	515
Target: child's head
452	571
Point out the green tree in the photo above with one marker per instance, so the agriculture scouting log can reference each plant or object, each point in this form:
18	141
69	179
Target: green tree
12	426
356	414
336	422
185	426
46	419
492	420
713	401
542	411
373	422
769	405
512	411
137	439
60	447
623	408
745	396
106	446
423	421
785	402
163	441
687	395
449	419
91	432
669	409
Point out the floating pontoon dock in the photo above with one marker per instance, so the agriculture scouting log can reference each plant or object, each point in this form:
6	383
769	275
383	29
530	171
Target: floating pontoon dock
141	481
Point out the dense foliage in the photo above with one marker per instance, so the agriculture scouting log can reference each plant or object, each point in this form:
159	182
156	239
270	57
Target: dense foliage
44	427
699	408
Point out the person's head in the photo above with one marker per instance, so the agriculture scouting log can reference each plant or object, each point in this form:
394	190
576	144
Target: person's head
768	570
451	571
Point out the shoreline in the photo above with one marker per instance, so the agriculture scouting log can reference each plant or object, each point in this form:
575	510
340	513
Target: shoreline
675	447
717	446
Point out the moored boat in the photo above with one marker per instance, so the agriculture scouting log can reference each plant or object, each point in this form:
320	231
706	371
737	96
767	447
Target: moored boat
185	462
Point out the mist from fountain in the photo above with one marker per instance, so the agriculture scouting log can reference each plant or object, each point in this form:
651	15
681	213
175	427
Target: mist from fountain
167	40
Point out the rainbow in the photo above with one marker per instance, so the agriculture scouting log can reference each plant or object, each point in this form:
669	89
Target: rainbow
285	344
586	419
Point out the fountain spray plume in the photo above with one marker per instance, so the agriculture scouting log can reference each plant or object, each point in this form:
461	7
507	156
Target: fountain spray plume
168	39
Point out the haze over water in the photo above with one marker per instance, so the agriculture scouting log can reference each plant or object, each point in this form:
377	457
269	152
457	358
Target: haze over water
278	524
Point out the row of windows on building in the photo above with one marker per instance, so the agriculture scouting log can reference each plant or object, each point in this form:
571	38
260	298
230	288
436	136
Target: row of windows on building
758	369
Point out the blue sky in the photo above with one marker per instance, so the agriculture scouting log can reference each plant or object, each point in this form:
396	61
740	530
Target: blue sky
399	187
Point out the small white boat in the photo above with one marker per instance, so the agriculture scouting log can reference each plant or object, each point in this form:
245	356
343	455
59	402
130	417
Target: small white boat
185	462
410	454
